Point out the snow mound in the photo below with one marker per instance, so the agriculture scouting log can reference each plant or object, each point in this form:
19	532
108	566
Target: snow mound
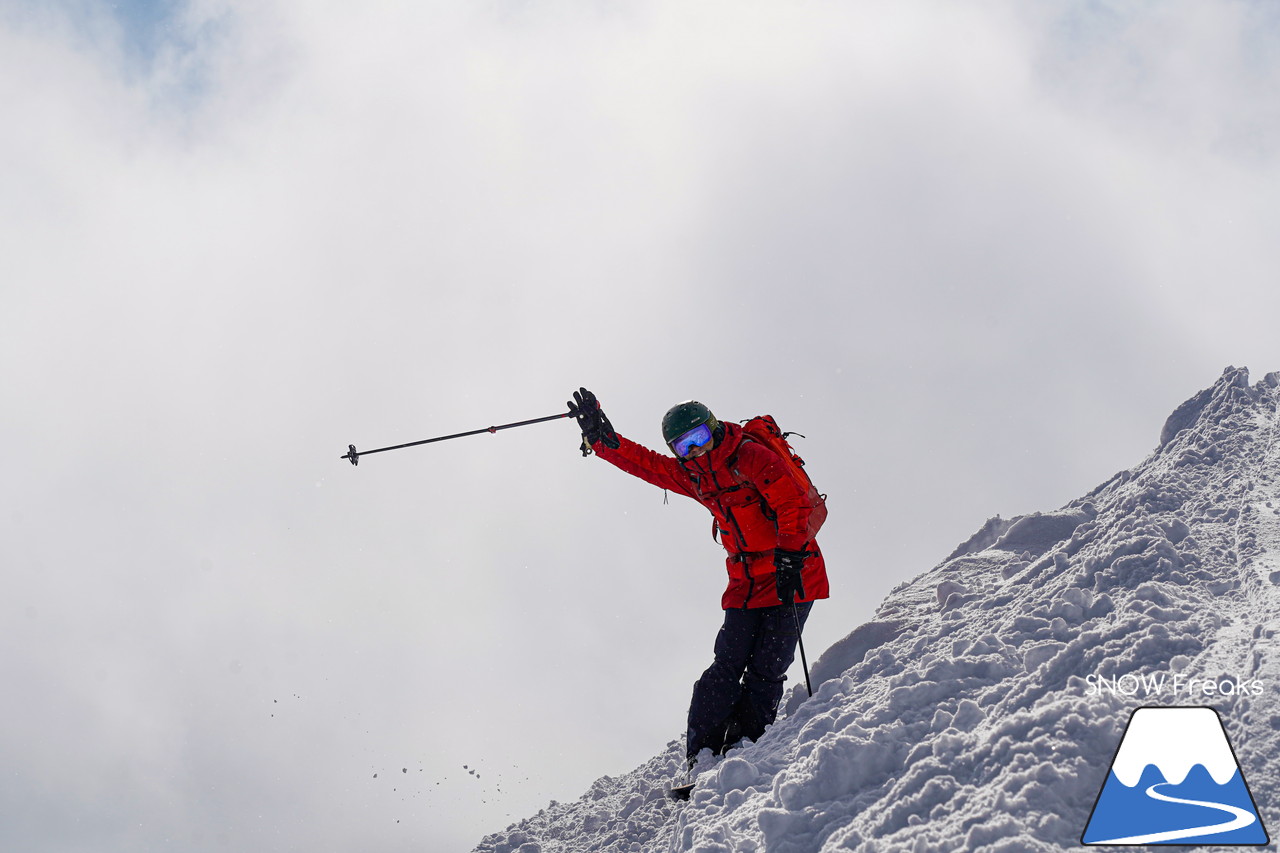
981	707
1037	533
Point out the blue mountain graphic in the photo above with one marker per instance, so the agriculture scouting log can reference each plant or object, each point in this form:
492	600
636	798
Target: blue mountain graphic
1124	812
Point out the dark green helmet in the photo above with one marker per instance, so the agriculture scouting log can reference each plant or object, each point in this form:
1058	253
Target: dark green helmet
683	417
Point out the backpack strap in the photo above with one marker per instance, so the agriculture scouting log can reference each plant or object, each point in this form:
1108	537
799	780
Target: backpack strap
739	483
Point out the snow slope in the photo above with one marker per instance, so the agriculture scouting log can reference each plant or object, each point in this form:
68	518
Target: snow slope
981	708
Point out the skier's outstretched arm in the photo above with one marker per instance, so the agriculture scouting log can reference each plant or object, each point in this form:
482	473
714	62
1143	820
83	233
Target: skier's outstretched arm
639	461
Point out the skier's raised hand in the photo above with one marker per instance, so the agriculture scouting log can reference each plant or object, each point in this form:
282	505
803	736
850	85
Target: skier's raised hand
591	420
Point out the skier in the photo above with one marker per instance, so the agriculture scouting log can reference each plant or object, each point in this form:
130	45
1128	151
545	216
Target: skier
761	516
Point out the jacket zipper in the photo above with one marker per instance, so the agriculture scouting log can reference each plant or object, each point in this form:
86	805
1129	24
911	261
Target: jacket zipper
742	540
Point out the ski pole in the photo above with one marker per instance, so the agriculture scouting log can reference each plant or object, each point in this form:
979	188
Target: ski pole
800	640
354	455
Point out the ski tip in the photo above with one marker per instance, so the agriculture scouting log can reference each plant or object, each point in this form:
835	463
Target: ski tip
681	792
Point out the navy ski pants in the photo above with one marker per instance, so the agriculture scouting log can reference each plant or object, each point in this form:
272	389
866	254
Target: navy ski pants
738	695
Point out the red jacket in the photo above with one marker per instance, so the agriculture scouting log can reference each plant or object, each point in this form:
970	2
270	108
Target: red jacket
764	512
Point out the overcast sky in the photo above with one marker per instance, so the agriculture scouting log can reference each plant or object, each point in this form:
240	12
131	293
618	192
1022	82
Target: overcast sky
975	251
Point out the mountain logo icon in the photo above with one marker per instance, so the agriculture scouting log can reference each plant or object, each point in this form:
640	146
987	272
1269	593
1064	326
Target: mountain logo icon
1175	780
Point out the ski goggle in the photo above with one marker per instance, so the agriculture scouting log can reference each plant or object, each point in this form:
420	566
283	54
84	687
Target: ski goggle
699	436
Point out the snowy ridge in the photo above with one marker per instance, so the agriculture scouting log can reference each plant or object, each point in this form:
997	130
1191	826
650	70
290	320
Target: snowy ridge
980	708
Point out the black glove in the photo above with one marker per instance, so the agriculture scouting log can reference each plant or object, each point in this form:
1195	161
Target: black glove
592	421
789	565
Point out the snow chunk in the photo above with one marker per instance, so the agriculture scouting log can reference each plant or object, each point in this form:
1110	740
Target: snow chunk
968	715
948	588
1038	655
1039	532
1184	416
983	539
849	652
839	768
736	773
776	824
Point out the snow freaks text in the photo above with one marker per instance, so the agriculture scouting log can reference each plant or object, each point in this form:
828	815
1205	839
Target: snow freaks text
1172	685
